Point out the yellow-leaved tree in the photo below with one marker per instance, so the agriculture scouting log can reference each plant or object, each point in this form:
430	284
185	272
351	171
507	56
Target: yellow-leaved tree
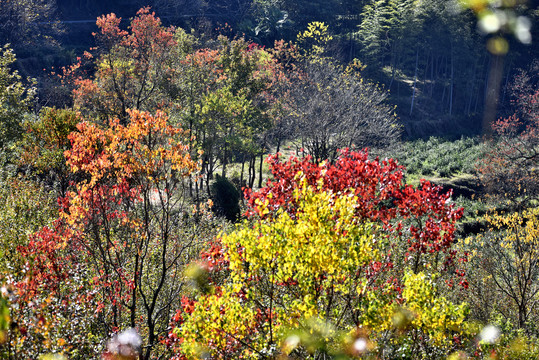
302	284
509	258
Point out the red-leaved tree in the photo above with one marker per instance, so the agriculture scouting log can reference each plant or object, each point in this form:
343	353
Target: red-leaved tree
419	222
414	230
125	231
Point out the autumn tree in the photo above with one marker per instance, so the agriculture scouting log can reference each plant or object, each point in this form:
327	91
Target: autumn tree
138	247
45	313
315	232
27	208
54	306
222	94
288	56
343	244
523	89
225	97
126	229
421	217
508	256
130	67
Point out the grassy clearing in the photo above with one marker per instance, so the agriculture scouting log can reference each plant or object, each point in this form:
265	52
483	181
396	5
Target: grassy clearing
437	157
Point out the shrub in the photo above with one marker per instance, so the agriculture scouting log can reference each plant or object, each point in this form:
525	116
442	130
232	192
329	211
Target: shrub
226	198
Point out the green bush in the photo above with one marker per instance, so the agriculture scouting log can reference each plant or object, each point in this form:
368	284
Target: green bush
226	198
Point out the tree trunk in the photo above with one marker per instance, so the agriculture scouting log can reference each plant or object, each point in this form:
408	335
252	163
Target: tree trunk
432	81
252	171
452	84
415	81
223	170
493	93
241	172
260	170
471	89
506	83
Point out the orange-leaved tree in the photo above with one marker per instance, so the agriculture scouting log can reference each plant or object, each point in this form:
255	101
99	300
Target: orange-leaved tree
126	226
130	67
